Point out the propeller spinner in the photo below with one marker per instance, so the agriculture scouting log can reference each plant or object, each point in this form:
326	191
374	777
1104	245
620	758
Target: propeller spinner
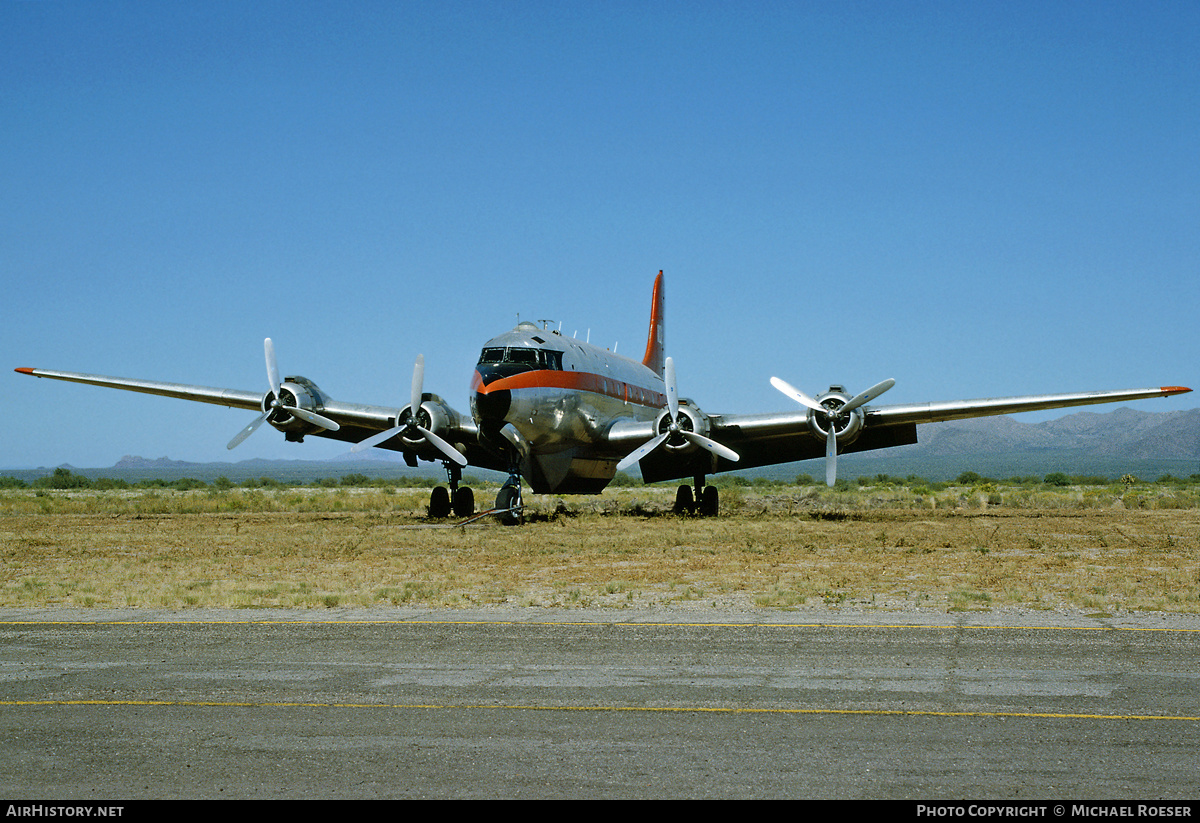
837	415
674	428
276	402
412	425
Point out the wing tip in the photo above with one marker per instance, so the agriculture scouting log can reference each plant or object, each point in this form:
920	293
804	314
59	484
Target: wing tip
1169	390
26	371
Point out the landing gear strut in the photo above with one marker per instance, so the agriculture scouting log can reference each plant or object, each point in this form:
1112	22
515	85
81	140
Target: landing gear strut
459	501
704	502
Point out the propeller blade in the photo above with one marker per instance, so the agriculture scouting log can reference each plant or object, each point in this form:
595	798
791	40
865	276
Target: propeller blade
417	384
673	410
712	445
442	446
272	367
249	430
277	401
797	395
642	451
672	389
831	456
376	439
867	396
313	417
418	379
832	415
273	380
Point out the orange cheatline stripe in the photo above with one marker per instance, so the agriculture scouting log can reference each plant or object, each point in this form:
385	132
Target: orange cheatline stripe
571	380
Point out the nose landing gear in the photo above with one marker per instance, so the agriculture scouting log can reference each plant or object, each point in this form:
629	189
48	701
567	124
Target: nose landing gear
509	506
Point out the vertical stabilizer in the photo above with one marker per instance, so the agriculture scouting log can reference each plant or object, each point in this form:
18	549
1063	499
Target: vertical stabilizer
656	339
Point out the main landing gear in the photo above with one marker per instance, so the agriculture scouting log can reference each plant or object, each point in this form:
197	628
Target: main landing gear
704	502
457	500
460	500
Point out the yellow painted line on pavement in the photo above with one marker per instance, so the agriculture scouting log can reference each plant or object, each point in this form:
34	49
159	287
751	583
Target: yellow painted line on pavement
584	624
538	708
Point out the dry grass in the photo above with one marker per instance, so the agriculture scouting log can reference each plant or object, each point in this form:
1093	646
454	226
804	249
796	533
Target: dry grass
784	549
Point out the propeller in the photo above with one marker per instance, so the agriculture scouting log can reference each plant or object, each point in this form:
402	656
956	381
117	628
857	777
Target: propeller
278	404
412	425
674	428
835	415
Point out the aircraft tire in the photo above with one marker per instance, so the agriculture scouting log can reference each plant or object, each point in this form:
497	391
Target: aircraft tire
439	503
710	503
464	502
684	504
508	496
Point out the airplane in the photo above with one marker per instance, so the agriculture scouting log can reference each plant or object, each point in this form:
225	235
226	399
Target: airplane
565	416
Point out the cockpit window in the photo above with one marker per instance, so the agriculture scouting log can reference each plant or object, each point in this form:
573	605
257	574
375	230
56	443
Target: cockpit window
525	358
521	356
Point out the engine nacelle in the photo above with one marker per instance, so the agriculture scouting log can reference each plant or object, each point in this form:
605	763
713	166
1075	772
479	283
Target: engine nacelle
433	416
848	425
301	393
689	419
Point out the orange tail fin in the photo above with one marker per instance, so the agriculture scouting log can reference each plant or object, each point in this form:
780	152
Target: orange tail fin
656	339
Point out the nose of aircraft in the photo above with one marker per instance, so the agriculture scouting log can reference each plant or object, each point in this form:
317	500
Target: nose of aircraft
488	405
492	407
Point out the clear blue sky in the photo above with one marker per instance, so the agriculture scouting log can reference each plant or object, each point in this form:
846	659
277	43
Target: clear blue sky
977	199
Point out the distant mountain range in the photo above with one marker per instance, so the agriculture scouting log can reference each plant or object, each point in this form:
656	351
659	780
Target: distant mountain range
1121	433
1147	444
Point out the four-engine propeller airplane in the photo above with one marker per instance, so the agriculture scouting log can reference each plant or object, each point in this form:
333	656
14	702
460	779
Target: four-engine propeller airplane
565	416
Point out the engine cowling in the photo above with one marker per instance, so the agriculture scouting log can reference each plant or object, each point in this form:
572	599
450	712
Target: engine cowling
848	424
300	393
689	419
433	416
834	416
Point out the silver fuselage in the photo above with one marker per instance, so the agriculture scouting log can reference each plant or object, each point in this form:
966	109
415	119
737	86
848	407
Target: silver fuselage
563	396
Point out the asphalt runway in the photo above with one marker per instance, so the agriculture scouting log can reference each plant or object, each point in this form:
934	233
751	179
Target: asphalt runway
548	703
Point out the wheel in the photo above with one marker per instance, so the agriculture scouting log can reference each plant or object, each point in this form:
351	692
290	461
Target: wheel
684	504
509	497
710	503
464	502
439	503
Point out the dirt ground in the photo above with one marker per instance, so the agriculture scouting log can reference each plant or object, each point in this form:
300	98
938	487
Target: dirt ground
1102	560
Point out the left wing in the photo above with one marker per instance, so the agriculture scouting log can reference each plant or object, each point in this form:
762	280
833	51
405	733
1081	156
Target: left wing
783	437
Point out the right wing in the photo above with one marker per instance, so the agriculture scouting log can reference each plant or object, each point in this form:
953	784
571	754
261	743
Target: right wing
352	422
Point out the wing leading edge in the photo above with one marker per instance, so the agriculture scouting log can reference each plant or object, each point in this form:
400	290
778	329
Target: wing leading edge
772	438
356	421
232	398
986	407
